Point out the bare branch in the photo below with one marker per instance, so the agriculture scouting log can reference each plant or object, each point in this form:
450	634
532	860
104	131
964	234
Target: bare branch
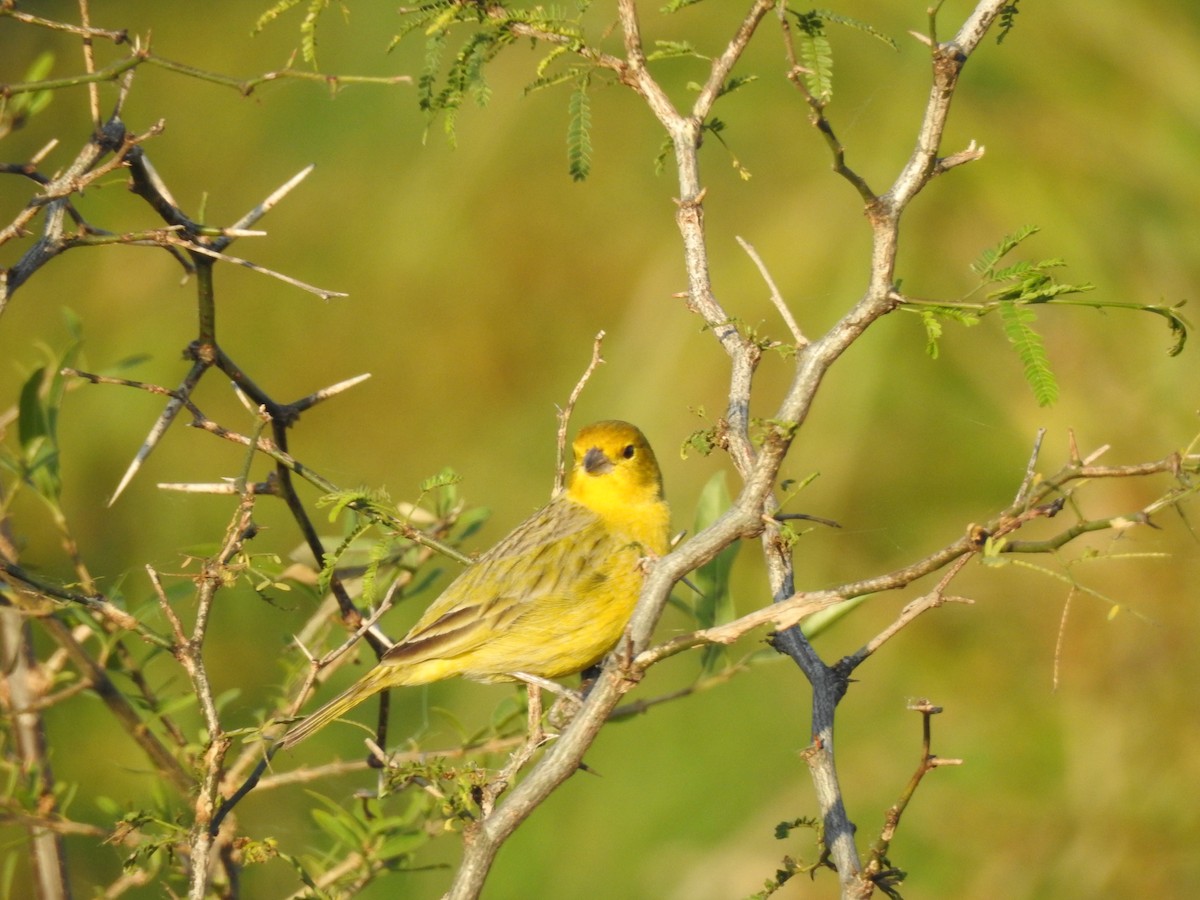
564	414
776	298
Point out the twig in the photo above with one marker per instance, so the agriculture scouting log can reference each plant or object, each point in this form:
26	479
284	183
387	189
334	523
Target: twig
1030	468
817	117
1061	639
194	247
877	869
179	399
9	11
564	414
89	61
97	603
274	198
776	298
911	611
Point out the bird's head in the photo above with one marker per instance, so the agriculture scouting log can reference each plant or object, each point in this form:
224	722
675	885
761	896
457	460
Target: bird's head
613	465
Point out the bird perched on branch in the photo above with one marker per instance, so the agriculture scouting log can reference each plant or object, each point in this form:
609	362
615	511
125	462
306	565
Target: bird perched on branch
552	598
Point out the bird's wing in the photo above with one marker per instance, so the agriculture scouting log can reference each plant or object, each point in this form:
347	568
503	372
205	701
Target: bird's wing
537	558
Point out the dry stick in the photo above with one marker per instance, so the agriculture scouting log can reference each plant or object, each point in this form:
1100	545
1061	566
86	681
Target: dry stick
214	576
776	297
89	61
795	75
141	55
923	604
323	665
1031	467
192	246
117	37
206	354
564	414
535	737
1061	638
87	167
874	869
160	756
179	398
25	688
316	667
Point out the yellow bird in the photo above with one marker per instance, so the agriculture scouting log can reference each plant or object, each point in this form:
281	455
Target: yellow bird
552	598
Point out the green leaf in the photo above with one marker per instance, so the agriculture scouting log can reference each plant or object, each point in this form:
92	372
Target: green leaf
545	62
31	421
672	50
1018	327
822	621
734	83
1008	19
817	56
273	13
666	150
986	263
933	332
308	30
336	827
24	105
333	557
579	127
445	478
1177	323
435	47
400	844
857	24
715	604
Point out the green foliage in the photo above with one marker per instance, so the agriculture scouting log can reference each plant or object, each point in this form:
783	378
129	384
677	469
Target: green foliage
704	441
789	866
447	478
673	50
579	131
17	110
820	622
1008	19
715	604
386	833
35	461
1012	289
817	56
858	25
816	53
370	544
308	25
1018	328
715	127
355	551
735	83
151	837
932	317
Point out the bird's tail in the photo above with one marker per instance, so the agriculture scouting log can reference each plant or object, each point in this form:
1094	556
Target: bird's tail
367	686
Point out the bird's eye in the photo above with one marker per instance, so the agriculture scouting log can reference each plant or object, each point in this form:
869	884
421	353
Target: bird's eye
628	451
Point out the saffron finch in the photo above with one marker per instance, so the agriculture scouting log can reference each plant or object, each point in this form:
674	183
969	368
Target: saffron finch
552	598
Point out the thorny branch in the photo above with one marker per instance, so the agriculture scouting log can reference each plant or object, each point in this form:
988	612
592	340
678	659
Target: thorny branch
198	247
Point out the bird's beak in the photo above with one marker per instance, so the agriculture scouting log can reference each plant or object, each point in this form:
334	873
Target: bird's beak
595	462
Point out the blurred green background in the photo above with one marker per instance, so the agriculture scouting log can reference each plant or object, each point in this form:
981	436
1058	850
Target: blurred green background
478	275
